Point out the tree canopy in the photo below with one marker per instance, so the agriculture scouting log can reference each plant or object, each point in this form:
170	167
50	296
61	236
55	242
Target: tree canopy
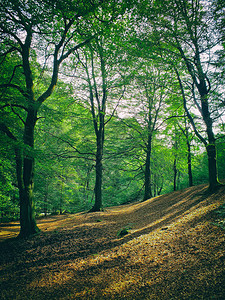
107	102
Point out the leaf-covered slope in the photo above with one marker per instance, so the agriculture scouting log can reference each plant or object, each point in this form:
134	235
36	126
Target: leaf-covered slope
172	251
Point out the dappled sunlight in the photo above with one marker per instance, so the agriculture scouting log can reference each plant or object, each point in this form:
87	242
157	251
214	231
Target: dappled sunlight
9	230
171	251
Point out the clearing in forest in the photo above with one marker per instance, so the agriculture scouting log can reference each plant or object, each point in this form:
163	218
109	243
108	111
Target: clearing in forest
172	249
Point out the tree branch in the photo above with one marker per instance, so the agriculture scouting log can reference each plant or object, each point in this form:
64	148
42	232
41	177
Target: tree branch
187	111
6	130
17	115
10	85
13	105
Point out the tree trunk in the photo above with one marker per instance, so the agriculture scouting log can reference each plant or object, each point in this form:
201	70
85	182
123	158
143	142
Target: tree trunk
190	177
61	198
212	165
210	148
28	224
27	216
98	179
159	190
175	174
46	198
203	86
148	191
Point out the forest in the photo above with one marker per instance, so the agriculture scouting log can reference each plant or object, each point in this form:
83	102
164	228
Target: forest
108	102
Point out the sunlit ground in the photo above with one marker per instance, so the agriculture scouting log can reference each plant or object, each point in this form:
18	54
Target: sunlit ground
172	251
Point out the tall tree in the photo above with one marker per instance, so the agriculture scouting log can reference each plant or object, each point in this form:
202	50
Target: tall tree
26	28
186	133
184	31
151	84
102	81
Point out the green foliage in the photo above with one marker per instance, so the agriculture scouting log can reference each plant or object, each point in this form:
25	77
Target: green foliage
220	158
130	60
124	231
9	201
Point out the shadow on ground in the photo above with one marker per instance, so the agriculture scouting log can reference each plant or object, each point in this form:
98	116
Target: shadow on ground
45	266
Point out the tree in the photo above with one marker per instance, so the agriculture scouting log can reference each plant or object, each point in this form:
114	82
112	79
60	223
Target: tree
186	133
65	156
102	81
184	31
150	83
26	28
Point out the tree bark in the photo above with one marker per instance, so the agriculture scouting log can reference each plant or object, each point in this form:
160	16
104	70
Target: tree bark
98	174
212	165
175	174
148	191
190	177
206	116
28	224
210	147
98	120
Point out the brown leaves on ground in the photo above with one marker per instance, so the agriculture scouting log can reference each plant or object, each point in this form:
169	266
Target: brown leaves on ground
172	251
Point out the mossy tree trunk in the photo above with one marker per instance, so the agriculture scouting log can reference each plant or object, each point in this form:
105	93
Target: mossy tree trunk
28	224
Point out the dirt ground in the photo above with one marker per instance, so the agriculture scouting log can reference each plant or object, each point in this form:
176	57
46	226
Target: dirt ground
173	250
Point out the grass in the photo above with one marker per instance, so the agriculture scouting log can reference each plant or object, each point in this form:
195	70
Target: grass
172	250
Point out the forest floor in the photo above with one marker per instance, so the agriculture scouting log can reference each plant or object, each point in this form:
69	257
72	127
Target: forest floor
173	250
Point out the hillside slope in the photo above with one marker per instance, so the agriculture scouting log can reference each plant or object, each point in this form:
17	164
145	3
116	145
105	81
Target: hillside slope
172	250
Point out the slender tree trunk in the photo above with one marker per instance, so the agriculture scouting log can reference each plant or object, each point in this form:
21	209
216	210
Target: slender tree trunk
27	215
46	198
190	177
98	120
159	190
175	170
61	198
148	191
175	174
99	170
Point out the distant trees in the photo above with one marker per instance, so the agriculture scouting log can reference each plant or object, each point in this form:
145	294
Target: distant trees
151	71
